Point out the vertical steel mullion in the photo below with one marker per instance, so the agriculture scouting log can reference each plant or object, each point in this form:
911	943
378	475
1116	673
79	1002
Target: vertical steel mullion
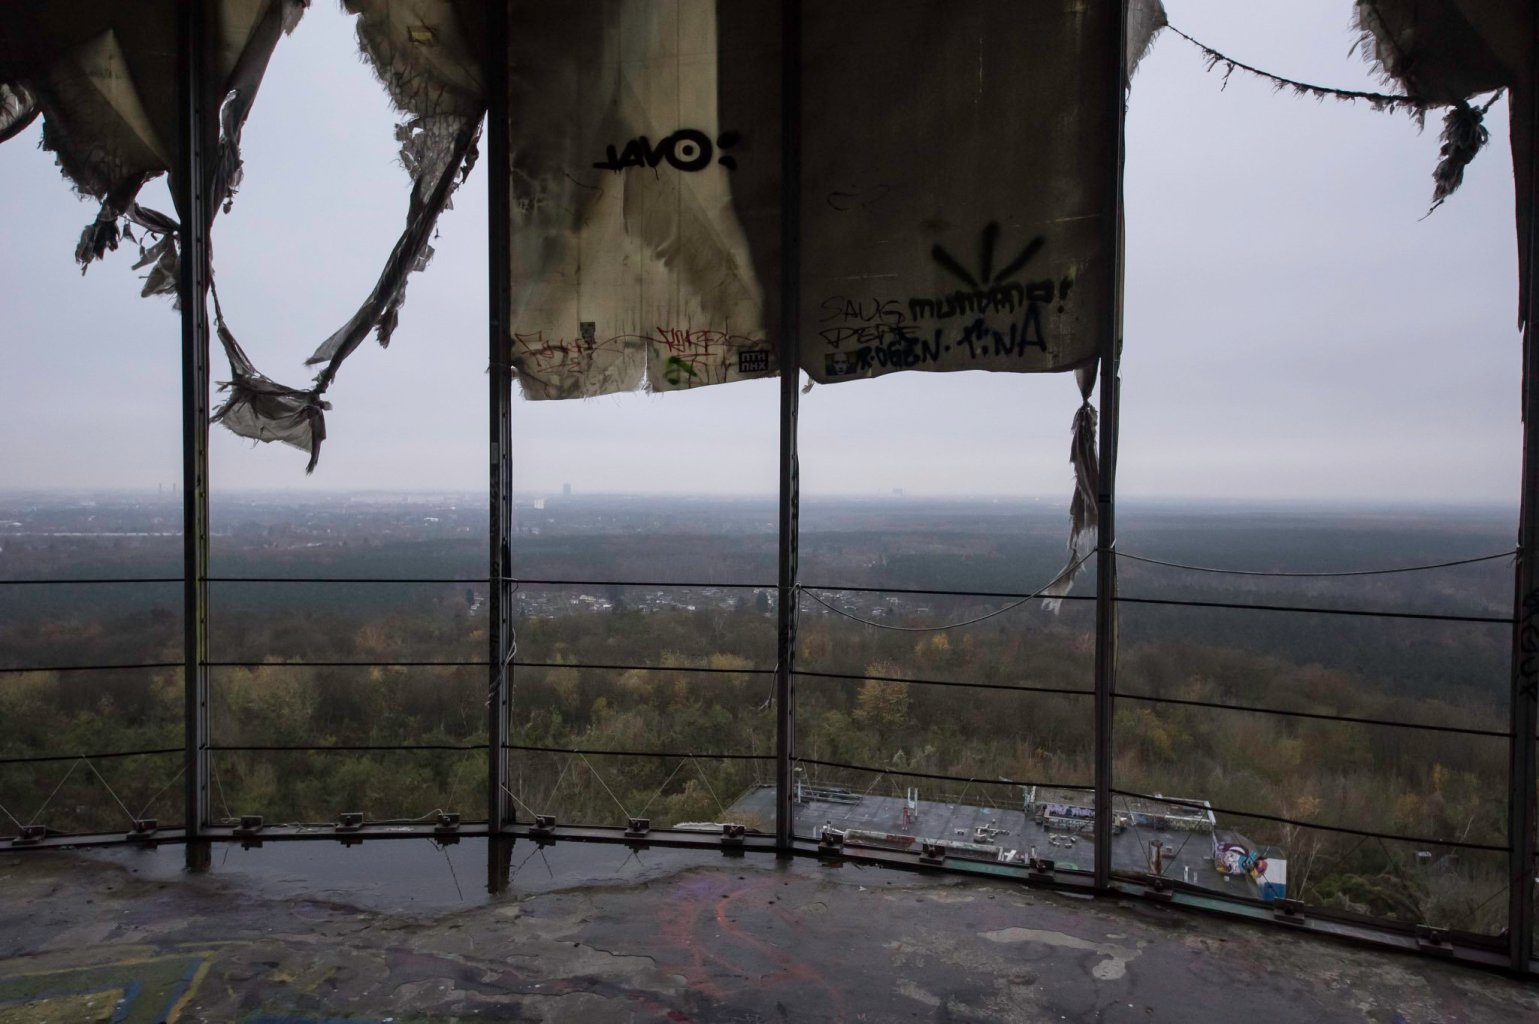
1521	782
500	811
191	183
1106	531
790	397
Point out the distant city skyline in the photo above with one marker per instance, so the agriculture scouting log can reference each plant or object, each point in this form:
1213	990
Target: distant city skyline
1295	330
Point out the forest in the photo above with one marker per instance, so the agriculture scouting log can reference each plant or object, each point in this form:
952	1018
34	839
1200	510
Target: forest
1005	699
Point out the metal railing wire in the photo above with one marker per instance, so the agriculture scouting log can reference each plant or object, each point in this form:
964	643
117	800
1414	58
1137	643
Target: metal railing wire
907	773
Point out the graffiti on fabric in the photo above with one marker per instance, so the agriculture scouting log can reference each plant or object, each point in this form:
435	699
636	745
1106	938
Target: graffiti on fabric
688	149
992	315
687	357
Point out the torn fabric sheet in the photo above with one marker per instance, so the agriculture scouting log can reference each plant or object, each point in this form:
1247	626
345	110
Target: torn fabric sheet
103	76
426	54
1446	52
956	220
264	410
628	264
948	222
1084	511
412	252
1145	20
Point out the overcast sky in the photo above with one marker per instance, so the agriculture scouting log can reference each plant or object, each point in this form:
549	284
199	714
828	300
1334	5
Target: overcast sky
1294	329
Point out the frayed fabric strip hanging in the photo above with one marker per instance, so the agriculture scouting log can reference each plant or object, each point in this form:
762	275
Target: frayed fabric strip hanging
101	78
1377	100
262	409
1084	512
441	175
1464	133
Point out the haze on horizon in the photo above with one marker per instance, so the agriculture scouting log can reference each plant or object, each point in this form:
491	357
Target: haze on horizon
1295	331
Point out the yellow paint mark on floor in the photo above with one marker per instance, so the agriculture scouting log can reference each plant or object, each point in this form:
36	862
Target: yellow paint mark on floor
79	1008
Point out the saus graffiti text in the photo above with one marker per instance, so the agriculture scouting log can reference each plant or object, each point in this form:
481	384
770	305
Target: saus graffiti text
991	316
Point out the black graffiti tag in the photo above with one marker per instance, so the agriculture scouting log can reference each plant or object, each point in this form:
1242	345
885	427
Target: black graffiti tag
687	149
990	290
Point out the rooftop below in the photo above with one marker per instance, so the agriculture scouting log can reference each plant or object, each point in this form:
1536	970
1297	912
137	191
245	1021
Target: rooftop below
1188	855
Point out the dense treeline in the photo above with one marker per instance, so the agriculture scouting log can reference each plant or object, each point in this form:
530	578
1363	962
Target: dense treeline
874	698
1399	781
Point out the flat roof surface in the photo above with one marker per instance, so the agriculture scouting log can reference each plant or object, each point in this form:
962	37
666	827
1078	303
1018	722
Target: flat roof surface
1177	806
1189	855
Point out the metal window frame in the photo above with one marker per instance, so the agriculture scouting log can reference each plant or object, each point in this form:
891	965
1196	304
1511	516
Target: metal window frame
190	189
500	813
1522	813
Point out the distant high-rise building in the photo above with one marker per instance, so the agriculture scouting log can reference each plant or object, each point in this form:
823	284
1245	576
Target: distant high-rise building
566	490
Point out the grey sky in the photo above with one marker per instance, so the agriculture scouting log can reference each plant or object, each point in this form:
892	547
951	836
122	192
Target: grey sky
1293	329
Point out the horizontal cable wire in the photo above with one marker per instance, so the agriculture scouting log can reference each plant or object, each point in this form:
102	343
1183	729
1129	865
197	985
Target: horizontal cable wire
1320	575
92	582
1067	572
641	668
482	663
347	664
685	585
343	579
1008	595
945	682
1418	840
1460	730
532	748
942	593
94	668
995	781
755	586
346	747
1370	613
90	757
1367	613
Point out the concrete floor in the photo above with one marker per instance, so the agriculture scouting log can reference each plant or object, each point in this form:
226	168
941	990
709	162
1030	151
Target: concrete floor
693	938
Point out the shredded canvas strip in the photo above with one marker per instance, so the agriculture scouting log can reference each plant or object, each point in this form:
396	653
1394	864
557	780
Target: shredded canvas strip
1084	512
426	54
102	75
263	410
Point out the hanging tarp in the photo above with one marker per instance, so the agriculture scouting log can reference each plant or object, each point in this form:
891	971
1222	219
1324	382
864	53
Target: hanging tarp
628	264
955	197
103	75
956	204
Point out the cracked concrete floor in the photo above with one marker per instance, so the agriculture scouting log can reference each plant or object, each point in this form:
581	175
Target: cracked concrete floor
698	938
